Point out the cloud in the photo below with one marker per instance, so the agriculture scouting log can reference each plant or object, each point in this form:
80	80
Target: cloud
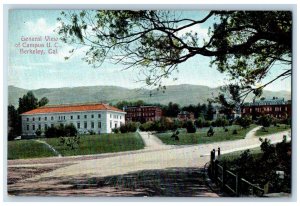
201	32
41	27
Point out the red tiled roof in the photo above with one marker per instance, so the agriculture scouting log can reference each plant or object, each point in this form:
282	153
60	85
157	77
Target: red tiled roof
71	108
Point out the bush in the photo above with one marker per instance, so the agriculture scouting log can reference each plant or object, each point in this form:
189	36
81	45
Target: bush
38	132
175	135
61	131
116	130
91	132
200	122
234	131
220	122
128	127
51	132
244	121
210	132
190	127
265	120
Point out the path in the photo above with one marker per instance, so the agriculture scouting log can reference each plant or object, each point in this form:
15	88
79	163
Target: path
152	142
50	147
156	157
251	133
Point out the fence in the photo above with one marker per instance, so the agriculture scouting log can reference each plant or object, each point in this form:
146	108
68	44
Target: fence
231	182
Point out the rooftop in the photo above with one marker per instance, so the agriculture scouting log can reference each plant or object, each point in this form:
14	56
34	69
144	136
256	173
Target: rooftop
273	101
71	108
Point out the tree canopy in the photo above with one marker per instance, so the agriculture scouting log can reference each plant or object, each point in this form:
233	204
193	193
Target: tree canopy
243	44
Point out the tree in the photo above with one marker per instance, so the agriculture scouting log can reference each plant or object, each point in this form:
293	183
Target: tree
265	120
43	102
243	44
190	127
171	110
27	102
13	123
210	112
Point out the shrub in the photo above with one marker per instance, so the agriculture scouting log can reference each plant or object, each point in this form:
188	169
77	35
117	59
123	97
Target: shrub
51	132
190	127
128	127
175	135
70	130
91	132
116	130
220	122
265	120
38	132
200	122
244	121
234	131
210	132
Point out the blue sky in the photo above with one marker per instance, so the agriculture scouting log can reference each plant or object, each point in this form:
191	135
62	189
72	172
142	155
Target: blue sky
52	71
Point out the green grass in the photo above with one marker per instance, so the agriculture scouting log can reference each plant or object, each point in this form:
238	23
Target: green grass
24	149
200	136
234	155
97	144
272	130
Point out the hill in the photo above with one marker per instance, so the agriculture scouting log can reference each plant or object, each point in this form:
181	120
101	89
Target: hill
184	94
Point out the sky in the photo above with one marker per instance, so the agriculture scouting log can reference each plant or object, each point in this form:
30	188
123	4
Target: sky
30	71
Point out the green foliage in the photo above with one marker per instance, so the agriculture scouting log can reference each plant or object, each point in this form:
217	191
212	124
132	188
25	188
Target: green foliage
210	132
129	127
234	132
241	43
190	127
220	122
116	130
70	142
13	123
38	132
61	131
272	158
244	121
265	120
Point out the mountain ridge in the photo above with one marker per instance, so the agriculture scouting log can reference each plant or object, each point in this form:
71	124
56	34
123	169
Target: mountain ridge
183	94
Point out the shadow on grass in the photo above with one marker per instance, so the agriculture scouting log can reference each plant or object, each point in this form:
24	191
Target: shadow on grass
171	182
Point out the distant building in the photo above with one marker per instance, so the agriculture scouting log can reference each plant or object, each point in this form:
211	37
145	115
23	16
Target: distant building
100	118
184	116
276	107
142	113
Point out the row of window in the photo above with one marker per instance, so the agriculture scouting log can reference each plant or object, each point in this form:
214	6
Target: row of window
63	117
85	125
269	109
115	116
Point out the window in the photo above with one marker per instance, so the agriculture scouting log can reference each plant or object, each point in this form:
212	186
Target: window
110	115
40	127
99	115
110	124
92	124
27	127
71	117
27	119
120	117
64	117
52	125
45	118
92	116
85	125
32	118
39	119
46	126
51	118
33	127
85	116
78	116
99	124
78	125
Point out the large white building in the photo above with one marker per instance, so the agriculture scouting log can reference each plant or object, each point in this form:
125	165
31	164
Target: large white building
100	118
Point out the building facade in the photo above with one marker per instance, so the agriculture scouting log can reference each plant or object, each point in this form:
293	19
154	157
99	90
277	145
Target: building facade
185	116
99	118
275	107
143	113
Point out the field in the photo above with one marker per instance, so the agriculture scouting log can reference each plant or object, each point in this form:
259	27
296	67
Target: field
273	129
89	144
200	137
23	149
95	144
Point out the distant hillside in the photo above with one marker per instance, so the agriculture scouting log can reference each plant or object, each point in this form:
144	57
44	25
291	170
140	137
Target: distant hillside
182	94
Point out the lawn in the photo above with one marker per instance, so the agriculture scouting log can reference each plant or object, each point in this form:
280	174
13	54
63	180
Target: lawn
97	144
272	129
200	137
256	152
24	149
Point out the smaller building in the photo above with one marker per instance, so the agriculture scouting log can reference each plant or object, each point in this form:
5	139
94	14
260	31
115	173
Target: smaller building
185	116
142	113
276	107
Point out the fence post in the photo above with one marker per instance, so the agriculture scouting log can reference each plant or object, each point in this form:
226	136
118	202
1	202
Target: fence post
216	163
224	177
237	189
219	151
